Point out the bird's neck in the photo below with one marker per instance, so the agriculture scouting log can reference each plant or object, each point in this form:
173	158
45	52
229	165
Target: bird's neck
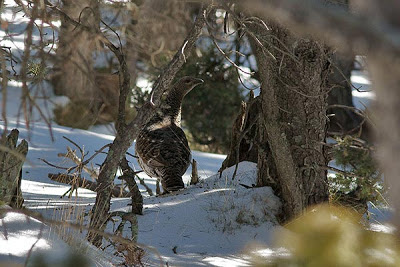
172	105
170	110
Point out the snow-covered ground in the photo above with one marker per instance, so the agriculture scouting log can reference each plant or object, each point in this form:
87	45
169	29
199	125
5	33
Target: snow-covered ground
207	224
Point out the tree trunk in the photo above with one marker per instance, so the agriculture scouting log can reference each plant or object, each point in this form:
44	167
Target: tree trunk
74	60
293	117
11	161
243	137
155	41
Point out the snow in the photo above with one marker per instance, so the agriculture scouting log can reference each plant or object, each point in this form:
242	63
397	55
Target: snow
208	223
20	234
212	221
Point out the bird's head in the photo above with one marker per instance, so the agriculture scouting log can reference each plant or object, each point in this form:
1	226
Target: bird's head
188	83
172	105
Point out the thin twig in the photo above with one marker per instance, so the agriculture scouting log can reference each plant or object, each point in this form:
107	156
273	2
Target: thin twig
75	144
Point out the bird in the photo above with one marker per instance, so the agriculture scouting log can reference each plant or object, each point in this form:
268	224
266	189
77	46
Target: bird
161	147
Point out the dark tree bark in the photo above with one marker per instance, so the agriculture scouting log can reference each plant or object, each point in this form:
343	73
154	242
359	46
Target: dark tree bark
376	35
244	131
292	127
129	176
11	161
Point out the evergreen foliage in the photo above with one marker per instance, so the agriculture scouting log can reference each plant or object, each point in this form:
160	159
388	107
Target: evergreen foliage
361	174
209	110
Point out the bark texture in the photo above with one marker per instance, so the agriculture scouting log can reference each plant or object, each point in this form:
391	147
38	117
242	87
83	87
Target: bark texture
12	158
129	176
243	145
74	76
293	120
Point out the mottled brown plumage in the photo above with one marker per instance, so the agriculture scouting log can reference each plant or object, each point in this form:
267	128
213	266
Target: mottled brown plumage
161	146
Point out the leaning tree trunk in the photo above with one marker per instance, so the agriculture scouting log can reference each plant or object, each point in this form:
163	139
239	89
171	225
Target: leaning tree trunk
293	117
12	158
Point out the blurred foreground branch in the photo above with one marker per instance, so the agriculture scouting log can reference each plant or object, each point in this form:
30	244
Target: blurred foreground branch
332	23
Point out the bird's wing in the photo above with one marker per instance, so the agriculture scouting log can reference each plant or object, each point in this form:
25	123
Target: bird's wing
164	147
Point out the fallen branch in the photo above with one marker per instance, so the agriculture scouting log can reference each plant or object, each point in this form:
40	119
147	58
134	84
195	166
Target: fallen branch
80	227
83	183
72	156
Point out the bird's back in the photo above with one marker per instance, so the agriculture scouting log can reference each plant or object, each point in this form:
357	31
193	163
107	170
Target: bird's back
161	146
164	152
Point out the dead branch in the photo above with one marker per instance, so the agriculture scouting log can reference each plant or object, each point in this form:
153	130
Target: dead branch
164	81
148	189
243	124
53	165
72	156
27	101
4	82
83	183
210	31
75	144
127	133
195	175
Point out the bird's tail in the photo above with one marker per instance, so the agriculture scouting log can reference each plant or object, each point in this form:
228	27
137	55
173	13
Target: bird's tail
171	182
